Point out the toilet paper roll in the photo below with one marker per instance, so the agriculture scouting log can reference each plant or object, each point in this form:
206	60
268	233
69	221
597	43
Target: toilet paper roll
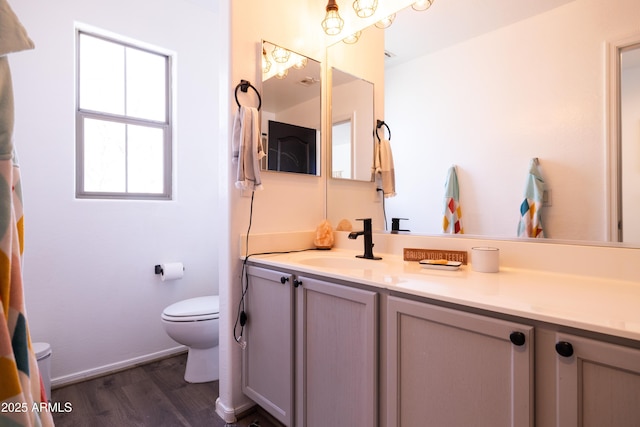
485	259
172	271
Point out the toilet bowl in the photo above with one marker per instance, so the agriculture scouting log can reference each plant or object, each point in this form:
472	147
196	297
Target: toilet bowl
194	323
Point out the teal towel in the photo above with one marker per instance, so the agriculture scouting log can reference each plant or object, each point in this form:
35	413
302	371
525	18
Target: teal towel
530	224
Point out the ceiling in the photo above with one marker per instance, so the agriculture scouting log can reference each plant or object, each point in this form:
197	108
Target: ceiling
298	86
413	34
448	22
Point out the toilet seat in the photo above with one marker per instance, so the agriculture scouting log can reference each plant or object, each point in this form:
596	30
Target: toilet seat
193	310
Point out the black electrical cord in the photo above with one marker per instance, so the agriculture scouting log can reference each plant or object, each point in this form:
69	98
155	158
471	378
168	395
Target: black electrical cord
241	317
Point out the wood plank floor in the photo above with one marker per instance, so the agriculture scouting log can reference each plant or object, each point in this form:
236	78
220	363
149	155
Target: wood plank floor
154	394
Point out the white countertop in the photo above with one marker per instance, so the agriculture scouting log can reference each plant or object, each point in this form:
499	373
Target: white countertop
600	305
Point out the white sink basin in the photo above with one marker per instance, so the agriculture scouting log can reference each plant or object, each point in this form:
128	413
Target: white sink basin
344	263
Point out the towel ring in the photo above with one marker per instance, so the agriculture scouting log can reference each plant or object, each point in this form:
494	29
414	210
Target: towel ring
244	86
379	124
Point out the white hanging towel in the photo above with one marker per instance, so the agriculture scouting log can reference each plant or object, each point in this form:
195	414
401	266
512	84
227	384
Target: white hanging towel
247	148
452	216
383	167
530	224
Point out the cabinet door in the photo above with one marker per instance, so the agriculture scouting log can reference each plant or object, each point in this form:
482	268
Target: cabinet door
337	355
451	368
268	355
598	383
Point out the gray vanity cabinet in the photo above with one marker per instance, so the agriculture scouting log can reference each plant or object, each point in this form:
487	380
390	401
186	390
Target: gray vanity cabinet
598	383
451	368
267	362
312	350
337	355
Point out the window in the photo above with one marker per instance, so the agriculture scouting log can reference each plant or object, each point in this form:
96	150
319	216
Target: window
123	120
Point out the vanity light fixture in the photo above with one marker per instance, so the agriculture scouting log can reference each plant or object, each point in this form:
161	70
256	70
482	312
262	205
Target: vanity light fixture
365	8
266	64
300	62
280	55
281	74
386	22
353	38
332	23
422	5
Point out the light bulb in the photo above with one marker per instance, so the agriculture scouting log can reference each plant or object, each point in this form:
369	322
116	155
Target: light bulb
422	5
280	54
365	8
386	22
300	62
281	74
332	23
353	38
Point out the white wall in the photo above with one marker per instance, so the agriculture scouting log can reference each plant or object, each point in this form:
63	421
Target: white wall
89	283
532	89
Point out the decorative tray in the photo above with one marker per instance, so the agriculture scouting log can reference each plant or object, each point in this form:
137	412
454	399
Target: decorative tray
440	264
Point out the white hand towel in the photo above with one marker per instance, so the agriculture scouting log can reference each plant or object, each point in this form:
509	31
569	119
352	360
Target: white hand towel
383	166
247	148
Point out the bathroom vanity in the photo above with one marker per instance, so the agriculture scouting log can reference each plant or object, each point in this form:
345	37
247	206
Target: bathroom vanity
336	340
311	353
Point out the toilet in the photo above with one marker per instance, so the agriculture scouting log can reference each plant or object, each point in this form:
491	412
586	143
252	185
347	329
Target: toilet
194	323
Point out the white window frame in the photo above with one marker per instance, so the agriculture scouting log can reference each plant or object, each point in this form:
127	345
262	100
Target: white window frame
166	126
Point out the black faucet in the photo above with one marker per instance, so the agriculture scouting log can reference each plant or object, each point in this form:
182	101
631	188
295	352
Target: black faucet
395	225
368	239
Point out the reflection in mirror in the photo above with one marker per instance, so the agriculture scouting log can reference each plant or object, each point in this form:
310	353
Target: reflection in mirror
490	86
629	225
290	111
341	143
352	126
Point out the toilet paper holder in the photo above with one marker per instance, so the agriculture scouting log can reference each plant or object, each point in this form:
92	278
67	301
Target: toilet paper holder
158	269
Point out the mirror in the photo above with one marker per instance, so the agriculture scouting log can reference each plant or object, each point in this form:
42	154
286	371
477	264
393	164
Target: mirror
356	72
629	175
290	111
352	126
490	86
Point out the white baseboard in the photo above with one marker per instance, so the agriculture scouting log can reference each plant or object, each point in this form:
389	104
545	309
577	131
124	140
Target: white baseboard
115	367
229	414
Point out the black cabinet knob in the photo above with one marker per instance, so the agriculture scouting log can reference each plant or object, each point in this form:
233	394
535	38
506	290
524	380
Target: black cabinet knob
284	279
518	338
297	283
564	349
